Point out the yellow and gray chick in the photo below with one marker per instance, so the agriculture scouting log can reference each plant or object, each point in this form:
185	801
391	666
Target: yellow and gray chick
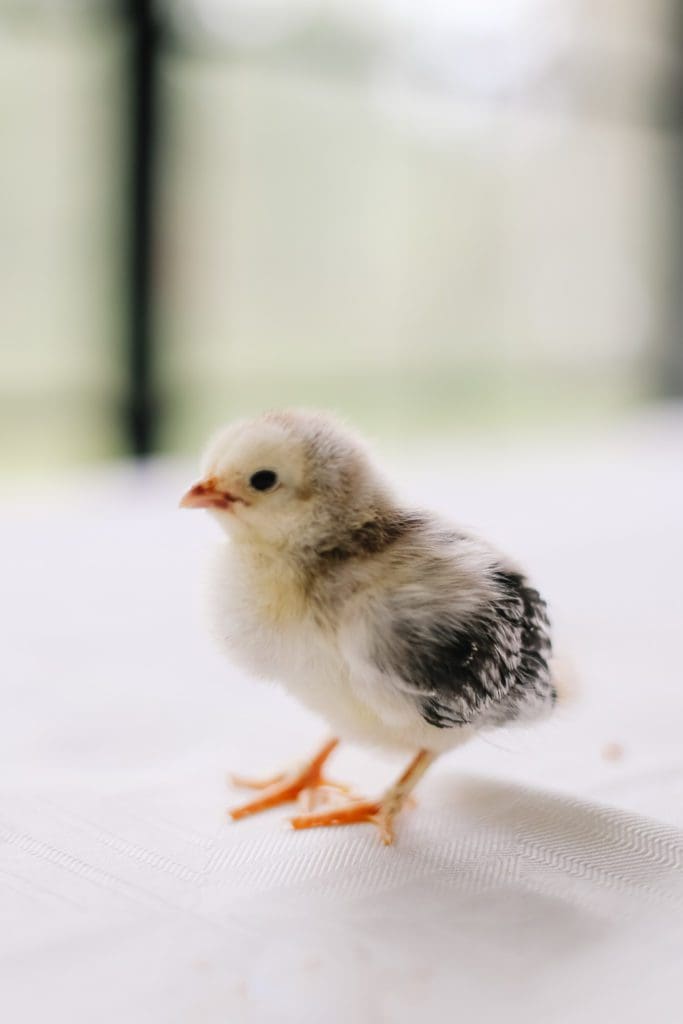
398	628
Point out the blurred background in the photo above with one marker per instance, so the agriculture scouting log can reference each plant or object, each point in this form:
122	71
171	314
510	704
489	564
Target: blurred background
436	218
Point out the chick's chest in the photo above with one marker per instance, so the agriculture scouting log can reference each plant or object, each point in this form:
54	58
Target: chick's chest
262	613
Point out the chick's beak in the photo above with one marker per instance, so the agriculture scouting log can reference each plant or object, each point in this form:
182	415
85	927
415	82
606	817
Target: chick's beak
206	494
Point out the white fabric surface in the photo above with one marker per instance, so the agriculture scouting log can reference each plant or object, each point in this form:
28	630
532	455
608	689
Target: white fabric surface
536	880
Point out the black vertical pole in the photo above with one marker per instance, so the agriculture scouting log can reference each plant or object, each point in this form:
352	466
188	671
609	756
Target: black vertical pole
670	376
140	406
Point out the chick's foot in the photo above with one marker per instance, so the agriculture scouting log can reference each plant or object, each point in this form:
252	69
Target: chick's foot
356	812
382	812
305	782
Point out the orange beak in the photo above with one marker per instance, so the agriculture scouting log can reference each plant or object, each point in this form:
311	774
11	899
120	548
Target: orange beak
206	494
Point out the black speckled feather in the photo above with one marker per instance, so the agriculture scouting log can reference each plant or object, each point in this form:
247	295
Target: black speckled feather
492	669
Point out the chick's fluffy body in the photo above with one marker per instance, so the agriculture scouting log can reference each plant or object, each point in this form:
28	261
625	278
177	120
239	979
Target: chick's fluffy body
398	629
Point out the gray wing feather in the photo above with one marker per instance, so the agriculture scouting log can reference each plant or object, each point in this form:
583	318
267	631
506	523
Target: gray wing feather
491	668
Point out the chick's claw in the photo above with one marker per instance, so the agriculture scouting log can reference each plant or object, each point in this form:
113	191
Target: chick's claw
322	795
242	783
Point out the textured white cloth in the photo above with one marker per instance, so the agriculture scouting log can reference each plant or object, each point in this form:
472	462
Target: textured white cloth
540	877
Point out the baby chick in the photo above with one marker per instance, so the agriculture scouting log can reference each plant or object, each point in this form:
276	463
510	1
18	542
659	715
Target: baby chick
401	630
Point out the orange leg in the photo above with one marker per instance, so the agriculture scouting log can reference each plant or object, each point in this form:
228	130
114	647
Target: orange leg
380	812
287	786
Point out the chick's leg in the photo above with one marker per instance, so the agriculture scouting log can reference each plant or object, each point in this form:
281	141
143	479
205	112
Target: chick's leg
287	786
380	812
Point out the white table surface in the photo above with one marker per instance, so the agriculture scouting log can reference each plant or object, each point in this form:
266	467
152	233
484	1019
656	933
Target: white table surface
538	879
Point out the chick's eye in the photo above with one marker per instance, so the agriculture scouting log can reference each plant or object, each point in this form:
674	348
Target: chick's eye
263	480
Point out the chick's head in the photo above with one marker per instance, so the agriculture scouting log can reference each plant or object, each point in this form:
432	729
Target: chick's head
289	479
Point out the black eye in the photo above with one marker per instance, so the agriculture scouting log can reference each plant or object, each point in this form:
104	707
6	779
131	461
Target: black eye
263	480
